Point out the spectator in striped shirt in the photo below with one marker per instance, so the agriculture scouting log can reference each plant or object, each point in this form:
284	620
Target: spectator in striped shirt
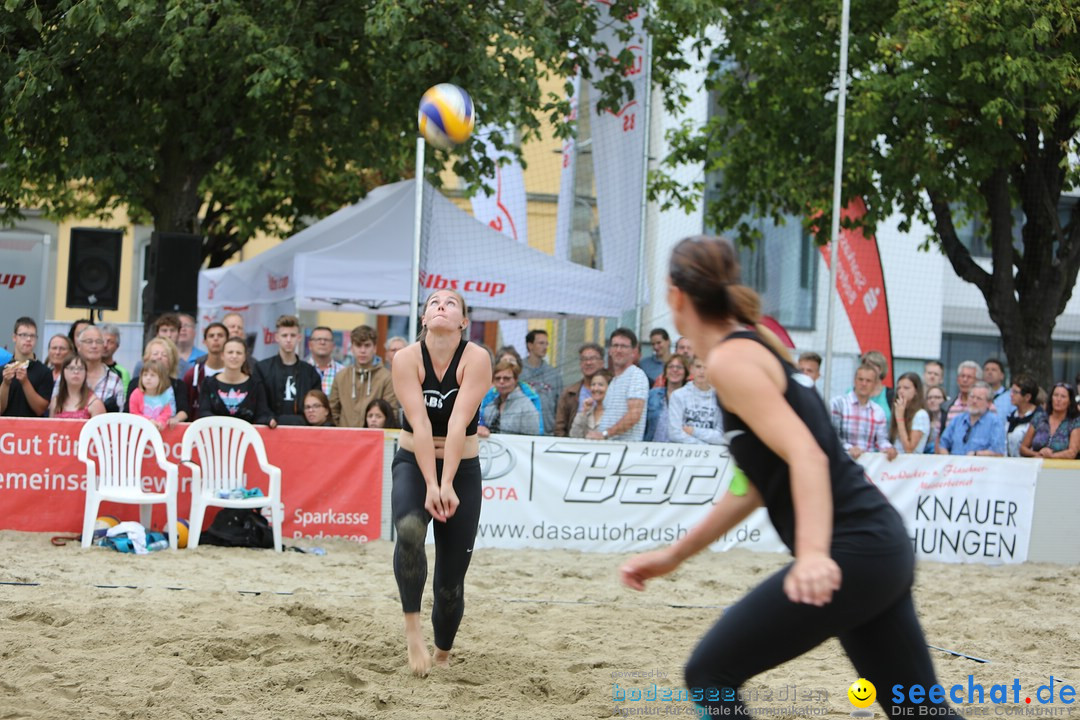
861	424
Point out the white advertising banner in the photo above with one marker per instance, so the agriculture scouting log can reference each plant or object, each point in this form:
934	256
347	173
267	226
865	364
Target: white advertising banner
23	257
617	497
504	209
604	496
960	508
619	155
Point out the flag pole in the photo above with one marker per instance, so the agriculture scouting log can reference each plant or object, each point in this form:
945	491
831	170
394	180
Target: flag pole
643	217
414	280
838	170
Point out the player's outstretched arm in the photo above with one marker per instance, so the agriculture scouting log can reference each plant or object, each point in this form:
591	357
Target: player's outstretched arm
726	514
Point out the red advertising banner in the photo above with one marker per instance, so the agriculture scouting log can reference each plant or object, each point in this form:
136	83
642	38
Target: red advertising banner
860	283
331	479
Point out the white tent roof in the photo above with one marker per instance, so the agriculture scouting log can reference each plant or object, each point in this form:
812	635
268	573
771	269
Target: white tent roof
360	258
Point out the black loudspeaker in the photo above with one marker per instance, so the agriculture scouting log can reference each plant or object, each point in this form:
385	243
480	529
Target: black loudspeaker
94	268
172	274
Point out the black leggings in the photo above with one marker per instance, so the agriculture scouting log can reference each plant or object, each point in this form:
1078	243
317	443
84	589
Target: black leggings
872	614
453	542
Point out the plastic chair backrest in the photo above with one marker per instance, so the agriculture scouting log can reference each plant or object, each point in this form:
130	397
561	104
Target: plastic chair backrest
222	444
119	441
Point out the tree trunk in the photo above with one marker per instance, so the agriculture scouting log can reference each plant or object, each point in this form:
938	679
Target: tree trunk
1024	315
176	204
1024	292
1029	349
175	200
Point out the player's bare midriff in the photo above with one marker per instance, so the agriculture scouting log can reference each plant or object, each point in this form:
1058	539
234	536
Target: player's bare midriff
470	450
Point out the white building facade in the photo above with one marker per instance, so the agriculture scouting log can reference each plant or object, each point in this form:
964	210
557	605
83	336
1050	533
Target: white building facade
933	313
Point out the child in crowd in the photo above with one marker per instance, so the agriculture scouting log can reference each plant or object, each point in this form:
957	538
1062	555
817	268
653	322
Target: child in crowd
154	398
379	414
73	399
693	411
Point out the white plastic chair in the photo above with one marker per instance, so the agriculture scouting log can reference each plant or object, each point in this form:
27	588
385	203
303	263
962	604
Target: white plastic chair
113	446
222	444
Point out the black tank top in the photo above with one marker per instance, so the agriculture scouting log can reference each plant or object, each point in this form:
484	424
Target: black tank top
863	520
439	397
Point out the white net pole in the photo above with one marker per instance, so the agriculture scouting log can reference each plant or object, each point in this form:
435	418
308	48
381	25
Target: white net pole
838	169
414	280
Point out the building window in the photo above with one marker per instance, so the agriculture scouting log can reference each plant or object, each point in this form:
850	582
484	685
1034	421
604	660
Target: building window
782	265
956	348
974	233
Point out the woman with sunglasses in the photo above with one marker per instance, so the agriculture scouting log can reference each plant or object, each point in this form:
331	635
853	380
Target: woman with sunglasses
1055	431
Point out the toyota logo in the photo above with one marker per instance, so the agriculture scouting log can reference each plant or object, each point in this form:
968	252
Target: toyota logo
496	460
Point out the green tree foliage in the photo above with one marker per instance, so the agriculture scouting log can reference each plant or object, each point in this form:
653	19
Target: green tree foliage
229	117
958	111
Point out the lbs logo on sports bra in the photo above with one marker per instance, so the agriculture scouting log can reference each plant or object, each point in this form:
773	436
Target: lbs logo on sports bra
435	399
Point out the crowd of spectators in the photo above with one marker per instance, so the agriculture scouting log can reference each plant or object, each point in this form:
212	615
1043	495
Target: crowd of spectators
663	396
984	417
176	380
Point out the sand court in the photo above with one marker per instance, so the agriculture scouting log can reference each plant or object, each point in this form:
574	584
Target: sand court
231	633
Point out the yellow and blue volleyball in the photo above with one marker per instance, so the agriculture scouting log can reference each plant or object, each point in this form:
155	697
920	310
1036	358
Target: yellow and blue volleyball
446	116
102	525
181	533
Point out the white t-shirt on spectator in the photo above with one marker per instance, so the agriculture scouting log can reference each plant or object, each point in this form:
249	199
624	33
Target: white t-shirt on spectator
919	423
631	385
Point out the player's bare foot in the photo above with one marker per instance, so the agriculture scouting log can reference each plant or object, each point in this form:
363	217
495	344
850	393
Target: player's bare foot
419	657
442	657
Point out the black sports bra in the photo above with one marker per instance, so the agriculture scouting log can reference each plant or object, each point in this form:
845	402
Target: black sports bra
863	521
440	396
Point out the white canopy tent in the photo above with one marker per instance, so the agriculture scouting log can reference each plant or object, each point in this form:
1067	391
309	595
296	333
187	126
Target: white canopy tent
360	259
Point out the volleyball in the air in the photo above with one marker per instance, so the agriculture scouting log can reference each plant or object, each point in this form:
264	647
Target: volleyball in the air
446	116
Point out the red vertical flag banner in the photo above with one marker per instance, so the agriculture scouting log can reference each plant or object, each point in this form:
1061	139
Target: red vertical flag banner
860	283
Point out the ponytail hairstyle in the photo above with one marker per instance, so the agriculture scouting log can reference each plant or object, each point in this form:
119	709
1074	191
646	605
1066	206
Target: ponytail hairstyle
706	269
422	335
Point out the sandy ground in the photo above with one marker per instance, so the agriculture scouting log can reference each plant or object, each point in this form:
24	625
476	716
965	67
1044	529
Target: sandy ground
229	633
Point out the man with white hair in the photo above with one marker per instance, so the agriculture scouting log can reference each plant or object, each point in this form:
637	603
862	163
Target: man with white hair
393	345
967	374
978	430
111	334
234	323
